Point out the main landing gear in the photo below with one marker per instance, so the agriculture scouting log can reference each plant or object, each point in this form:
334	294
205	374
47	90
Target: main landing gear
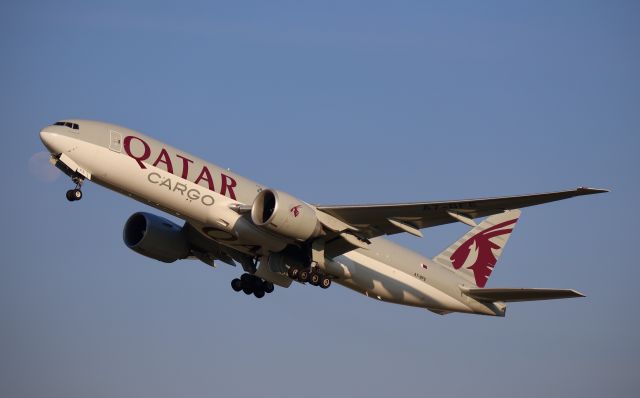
314	276
75	194
251	284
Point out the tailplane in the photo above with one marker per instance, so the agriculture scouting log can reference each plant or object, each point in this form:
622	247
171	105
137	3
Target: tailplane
476	253
520	294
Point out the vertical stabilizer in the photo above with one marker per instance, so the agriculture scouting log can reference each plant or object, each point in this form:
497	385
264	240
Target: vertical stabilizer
476	253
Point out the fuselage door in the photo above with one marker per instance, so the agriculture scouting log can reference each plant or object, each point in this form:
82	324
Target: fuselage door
115	144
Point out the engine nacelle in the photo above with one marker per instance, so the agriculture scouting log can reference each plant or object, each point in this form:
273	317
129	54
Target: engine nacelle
155	237
285	215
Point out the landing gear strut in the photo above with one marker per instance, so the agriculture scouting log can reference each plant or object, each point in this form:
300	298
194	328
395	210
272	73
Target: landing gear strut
251	284
75	194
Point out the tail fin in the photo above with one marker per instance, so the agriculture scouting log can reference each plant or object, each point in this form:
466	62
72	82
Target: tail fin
476	253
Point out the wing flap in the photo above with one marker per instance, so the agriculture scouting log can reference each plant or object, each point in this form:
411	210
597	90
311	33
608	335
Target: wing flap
520	294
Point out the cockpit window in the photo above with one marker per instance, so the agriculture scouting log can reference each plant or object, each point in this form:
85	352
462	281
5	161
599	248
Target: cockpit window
68	124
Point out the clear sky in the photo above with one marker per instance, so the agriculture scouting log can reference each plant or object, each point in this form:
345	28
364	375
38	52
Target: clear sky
336	102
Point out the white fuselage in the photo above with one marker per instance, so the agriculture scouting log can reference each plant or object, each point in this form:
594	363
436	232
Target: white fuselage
201	193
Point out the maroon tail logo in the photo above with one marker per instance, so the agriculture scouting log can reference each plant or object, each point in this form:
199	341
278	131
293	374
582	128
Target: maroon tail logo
485	260
295	210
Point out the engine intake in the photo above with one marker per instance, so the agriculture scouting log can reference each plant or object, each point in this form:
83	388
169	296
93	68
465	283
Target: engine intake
155	237
285	215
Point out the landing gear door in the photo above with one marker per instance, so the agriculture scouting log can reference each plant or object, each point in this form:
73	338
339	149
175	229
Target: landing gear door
269	271
115	143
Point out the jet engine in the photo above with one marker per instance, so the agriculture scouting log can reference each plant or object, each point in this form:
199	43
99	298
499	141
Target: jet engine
285	215
155	237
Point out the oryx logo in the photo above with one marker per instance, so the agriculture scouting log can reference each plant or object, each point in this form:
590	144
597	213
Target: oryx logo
295	210
485	260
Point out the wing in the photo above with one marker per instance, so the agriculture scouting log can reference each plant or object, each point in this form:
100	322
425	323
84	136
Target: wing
388	219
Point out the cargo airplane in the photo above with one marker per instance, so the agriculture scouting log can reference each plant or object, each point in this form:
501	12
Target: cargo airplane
278	238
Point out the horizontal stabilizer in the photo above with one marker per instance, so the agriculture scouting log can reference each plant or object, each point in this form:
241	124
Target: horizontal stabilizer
520	294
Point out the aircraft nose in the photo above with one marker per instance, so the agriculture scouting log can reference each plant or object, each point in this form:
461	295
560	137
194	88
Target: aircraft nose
50	141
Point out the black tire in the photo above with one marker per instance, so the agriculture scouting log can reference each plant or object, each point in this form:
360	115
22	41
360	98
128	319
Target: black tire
236	285
70	196
268	287
314	279
246	278
303	276
325	282
259	293
247	289
293	272
77	194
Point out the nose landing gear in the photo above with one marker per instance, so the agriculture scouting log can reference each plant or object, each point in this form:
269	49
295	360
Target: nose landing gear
75	194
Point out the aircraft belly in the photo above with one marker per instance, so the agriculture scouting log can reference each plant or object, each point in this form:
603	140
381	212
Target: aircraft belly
382	281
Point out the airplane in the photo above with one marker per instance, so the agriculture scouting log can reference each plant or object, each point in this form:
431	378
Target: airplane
278	238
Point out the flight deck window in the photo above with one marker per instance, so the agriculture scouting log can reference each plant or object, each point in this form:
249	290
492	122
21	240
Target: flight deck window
73	126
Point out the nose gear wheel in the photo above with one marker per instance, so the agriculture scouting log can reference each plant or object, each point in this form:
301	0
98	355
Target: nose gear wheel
76	193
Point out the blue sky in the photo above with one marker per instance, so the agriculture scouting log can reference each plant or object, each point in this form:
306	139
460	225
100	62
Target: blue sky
334	102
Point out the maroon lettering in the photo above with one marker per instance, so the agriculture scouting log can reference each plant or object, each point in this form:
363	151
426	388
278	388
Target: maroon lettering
163	157
205	175
228	183
185	166
145	154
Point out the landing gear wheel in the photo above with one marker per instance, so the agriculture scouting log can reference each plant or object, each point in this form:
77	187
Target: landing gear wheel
250	284
293	272
74	194
314	279
236	284
303	276
325	282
